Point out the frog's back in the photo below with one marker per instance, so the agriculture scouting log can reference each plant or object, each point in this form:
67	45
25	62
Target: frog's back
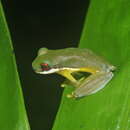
82	57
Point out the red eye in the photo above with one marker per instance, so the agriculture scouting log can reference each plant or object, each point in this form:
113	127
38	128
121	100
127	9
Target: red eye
45	67
44	64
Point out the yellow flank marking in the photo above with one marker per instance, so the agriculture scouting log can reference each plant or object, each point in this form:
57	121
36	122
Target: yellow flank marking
89	70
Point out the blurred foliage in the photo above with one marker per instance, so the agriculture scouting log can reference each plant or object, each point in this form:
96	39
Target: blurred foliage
12	109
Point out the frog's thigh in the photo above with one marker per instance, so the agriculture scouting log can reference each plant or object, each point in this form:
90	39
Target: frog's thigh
92	84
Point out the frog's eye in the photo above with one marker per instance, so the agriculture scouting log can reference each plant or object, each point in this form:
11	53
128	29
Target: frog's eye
45	67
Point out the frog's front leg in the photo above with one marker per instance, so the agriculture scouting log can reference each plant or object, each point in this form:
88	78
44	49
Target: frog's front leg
68	74
67	83
92	84
74	83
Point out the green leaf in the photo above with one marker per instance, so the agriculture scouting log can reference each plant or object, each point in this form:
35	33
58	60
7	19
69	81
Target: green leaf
12	109
106	32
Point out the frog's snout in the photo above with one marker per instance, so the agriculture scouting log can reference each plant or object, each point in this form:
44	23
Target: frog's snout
36	67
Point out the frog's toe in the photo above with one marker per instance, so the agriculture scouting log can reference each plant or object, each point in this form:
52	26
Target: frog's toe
68	83
72	95
63	85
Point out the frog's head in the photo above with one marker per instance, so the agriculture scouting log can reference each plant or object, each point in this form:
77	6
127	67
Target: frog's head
44	63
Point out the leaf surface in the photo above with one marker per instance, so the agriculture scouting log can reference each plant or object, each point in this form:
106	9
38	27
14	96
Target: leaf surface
12	109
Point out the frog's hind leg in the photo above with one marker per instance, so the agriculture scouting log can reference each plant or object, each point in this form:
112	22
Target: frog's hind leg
92	84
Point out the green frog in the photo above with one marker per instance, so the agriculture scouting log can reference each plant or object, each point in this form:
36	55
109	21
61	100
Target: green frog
72	63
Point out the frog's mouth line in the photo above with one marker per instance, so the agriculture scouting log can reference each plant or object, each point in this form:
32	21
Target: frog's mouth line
54	70
50	71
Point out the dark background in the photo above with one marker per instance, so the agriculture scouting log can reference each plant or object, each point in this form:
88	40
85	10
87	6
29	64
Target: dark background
35	24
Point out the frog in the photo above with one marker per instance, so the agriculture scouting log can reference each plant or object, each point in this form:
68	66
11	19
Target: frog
73	64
